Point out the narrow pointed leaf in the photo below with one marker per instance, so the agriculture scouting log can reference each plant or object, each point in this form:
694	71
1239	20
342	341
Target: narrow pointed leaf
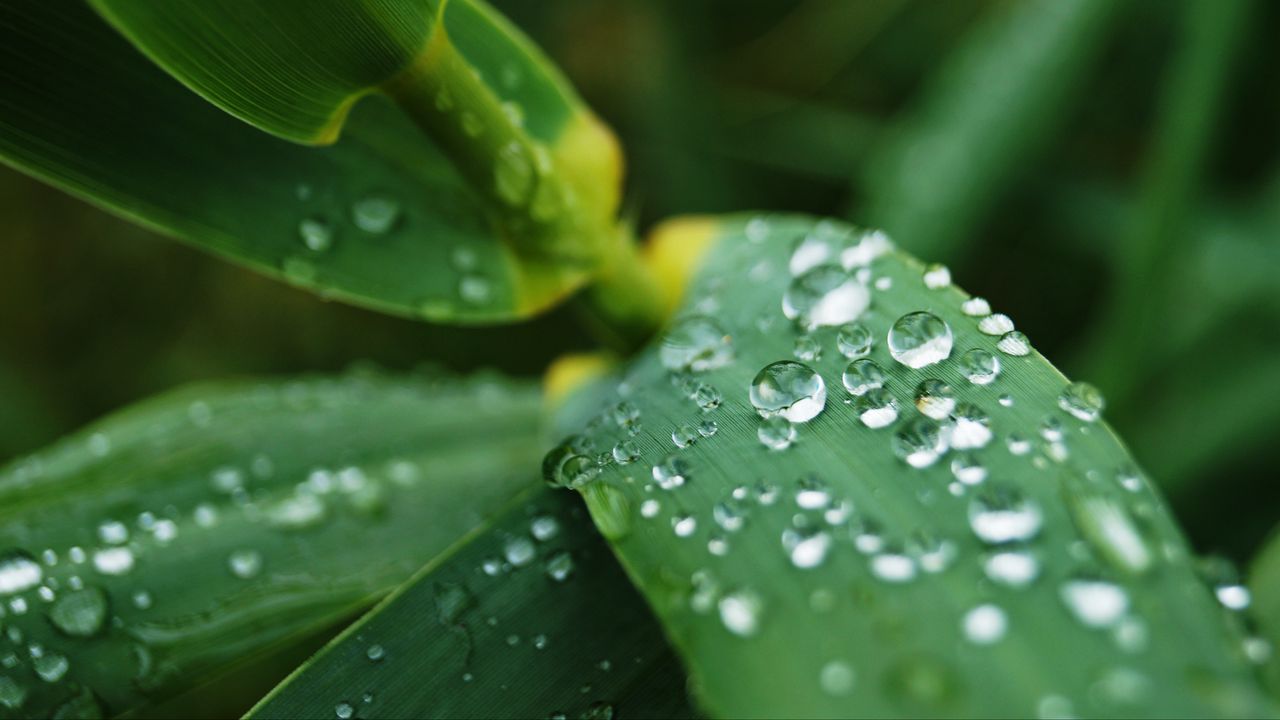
172	540
397	214
985	549
531	617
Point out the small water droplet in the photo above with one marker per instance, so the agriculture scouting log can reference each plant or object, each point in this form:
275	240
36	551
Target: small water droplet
684	436
1083	401
344	711
876	408
919	339
971	427
1014	343
740	612
776	433
1095	603
519	551
976	307
245	564
936	276
1013	568
919	442
996	324
807	348
806	547
650	508
19	572
513	174
813	250
559	566
985	624
707	397
474	289
836	678
893	565
544	528
790	389
50	667
671	473
684	524
934	398
1001	515
968	469
980	366
316	233
375	653
626	452
862	375
113	561
375	214
79	613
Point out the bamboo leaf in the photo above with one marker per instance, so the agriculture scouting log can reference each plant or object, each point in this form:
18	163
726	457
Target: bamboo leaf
936	538
194	531
398	214
531	617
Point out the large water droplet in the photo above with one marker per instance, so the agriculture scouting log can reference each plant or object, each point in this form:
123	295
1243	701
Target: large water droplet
1001	515
919	339
790	389
825	296
1083	401
19	572
79	613
375	214
696	344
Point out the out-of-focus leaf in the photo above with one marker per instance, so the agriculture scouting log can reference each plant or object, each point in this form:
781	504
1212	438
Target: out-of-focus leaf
172	540
993	105
397	215
956	542
1148	253
531	617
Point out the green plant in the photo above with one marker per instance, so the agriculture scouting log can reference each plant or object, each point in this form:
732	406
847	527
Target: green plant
817	479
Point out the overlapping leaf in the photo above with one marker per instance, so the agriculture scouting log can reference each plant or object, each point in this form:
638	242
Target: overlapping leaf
194	531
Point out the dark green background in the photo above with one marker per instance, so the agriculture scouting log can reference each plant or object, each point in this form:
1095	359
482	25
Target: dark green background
727	106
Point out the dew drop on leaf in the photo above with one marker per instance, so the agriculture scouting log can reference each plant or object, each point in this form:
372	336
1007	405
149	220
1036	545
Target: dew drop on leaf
985	624
696	344
825	296
776	433
1014	343
245	564
19	572
740	612
1001	515
936	276
980	366
861	376
375	214
1083	401
789	389
79	613
919	339
854	341
919	443
836	678
876	408
316	233
1095	603
934	398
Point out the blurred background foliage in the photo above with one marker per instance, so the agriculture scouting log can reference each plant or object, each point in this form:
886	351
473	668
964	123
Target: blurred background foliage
1107	172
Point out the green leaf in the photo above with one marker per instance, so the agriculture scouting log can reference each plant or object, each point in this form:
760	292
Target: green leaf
997	101
527	618
397	215
172	540
1001	557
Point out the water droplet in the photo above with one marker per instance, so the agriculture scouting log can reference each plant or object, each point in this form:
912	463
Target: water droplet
684	524
975	307
807	547
375	653
707	397
776	433
919	339
807	348
1002	515
344	711
513	174
684	436
316	233
825	296
650	508
375	214
113	561
854	341
626	452
19	572
790	389
671	473
836	678
245	564
980	366
79	613
919	443
113	532
740	612
1012	568
935	399
299	511
1017	444
1083	401
871	245
559	566
893	565
996	324
971	427
968	469
861	376
936	276
813	250
1109	528
474	289
544	528
519	551
876	408
1014	343
985	624
696	344
50	668
1095	603
12	695
1006	400
1221	575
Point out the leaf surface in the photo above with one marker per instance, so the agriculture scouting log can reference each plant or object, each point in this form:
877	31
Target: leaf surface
172	540
989	549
